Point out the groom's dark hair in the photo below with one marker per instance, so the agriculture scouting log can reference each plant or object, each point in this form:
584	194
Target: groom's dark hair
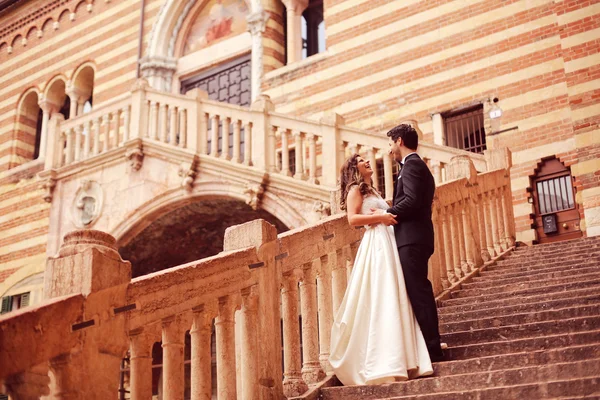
409	135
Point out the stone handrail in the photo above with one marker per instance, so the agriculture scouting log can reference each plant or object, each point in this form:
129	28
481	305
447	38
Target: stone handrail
250	136
255	284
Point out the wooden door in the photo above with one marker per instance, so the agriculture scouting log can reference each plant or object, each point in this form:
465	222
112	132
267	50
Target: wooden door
556	214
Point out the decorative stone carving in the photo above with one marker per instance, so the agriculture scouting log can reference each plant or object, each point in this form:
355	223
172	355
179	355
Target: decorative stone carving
135	156
49	186
188	172
159	71
254	192
87	205
323	209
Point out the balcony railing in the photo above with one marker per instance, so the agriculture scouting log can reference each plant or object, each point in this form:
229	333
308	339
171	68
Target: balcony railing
237	135
251	290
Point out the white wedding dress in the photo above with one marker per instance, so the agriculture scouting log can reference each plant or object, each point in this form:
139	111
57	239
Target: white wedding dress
375	336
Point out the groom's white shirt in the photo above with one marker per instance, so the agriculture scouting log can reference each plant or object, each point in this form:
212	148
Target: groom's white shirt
408	155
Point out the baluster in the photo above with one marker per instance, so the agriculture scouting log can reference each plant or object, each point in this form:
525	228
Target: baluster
237	128
506	204
214	136
225	332
501	219
489	239
293	385
201	379
173	372
174	114
461	237
126	123
117	121
312	157
468	234
140	366
454	232
311	367
447	240
163	126
325	311
86	141
272	150
153	131
436	170
183	129
225	146
250	343
78	137
248	144
106	129
372	158
485	255
388	175
69	155
494	219
285	152
299	156
96	149
338	278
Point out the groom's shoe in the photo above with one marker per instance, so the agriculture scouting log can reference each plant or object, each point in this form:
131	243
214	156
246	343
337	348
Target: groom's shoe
438	357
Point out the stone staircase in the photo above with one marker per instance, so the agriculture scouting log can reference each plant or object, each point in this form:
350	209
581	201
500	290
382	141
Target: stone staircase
527	328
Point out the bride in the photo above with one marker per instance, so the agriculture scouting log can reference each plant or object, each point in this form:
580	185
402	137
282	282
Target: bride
375	336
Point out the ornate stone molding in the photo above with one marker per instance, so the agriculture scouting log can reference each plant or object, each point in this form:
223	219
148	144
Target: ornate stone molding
159	71
323	209
188	172
48	187
135	156
254	193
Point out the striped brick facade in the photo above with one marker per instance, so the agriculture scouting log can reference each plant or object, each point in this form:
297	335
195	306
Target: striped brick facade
386	61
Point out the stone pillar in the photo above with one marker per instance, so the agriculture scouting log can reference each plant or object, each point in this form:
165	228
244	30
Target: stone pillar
256	23
312	158
225	336
447	240
299	156
173	373
30	385
508	219
494	219
438	129
294	9
460	209
293	385
389	176
73	102
333	146
470	244
55	145
201	380
261	132
487	217
454	233
140	365
285	152
479	208
325	310
501	219
48	109
438	260
139	111
311	367
250	344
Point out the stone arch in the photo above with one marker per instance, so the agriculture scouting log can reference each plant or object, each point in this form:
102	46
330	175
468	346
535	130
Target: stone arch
28	126
31	33
82	83
21	275
55	96
191	218
47	25
17	39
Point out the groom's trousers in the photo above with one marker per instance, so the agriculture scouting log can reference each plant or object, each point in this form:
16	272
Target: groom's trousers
414	259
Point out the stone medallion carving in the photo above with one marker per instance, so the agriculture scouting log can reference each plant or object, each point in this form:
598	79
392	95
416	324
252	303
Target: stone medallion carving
87	205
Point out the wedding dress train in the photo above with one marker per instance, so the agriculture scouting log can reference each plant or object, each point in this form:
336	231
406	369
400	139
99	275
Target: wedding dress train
375	336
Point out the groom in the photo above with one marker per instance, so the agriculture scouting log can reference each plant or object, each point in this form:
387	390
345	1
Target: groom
413	195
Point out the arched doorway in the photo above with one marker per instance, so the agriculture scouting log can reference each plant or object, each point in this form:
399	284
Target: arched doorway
556	213
188	233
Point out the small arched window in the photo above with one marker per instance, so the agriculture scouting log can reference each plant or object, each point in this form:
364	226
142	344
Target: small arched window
313	29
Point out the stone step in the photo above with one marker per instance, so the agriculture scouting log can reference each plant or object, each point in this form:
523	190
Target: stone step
519	331
513	265
534	284
527	344
519	360
478	379
579	387
496	321
557	246
487	282
499	274
452	306
447	316
528	292
574	249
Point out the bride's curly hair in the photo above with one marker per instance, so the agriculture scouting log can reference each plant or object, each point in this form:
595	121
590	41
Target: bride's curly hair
350	176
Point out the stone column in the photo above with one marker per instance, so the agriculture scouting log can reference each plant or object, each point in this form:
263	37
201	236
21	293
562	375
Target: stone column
439	259
261	132
501	219
508	220
299	156
173	373
325	310
487	217
201	380
225	336
141	366
312	158
250	344
460	209
47	110
447	240
294	9
311	367
256	23
479	208
285	152
494	220
438	129
333	146
454	233
468	235
293	385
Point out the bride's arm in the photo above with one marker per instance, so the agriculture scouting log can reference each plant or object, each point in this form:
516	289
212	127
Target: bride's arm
355	218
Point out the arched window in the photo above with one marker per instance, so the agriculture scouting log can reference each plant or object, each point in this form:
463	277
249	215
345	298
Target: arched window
28	129
313	29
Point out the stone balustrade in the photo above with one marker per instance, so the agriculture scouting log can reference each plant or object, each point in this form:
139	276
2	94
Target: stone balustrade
249	137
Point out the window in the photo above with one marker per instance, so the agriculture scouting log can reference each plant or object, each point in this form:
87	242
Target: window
555	195
313	29
12	303
464	129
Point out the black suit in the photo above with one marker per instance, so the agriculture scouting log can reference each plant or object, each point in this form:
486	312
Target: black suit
413	196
